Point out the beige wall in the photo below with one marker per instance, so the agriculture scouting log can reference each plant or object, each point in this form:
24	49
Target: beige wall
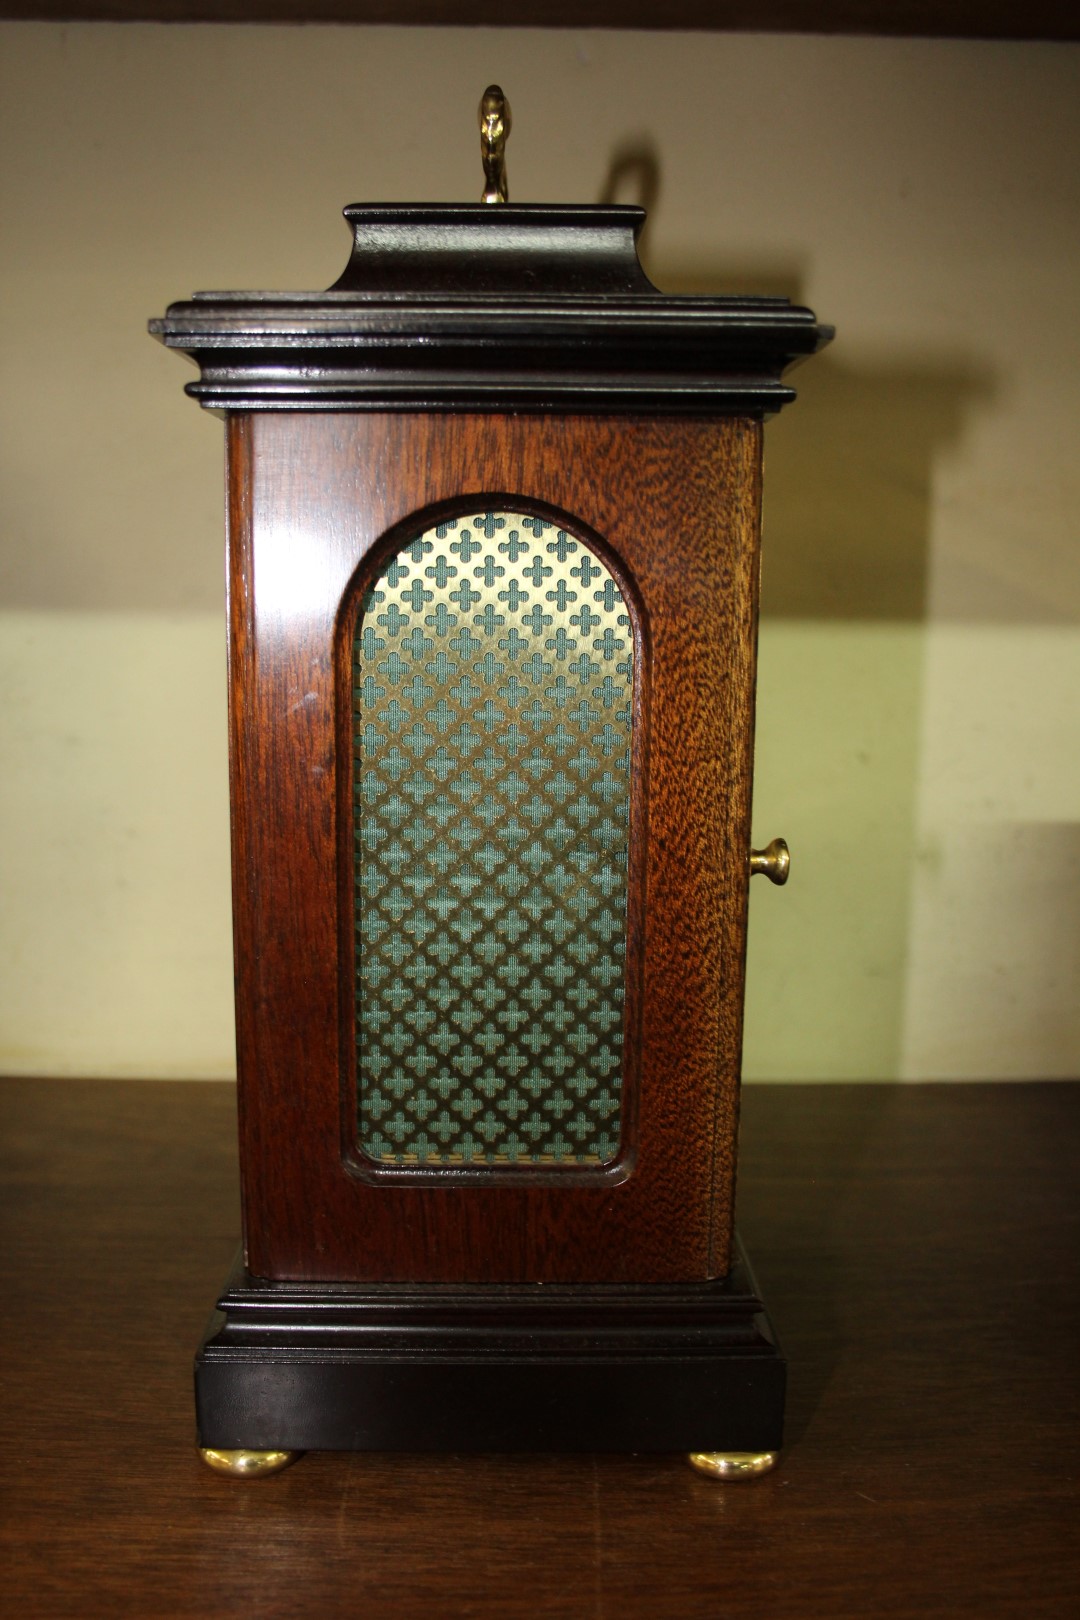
918	724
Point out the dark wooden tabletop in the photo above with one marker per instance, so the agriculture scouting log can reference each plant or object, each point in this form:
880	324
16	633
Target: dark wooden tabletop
918	1247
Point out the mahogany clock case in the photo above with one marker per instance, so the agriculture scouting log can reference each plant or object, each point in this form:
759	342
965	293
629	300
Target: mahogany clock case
317	485
478	360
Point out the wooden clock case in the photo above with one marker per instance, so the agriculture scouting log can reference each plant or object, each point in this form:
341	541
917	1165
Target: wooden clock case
512	358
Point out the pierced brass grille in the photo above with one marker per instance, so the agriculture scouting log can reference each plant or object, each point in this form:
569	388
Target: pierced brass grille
492	685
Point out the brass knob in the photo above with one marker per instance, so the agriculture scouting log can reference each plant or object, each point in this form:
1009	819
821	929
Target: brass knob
774	860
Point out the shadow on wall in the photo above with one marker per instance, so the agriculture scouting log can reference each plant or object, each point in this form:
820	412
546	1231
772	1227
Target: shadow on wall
634	177
846	575
849	493
849	502
862	551
849	486
850	470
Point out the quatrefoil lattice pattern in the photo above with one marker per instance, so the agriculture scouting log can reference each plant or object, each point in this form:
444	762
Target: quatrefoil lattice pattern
492	687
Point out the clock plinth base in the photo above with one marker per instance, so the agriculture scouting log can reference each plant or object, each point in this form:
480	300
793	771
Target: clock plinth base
289	1367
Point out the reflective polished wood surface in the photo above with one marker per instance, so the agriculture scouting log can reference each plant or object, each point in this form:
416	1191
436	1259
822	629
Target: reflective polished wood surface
918	1246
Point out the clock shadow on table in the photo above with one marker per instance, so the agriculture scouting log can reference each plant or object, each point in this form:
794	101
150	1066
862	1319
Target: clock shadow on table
807	1157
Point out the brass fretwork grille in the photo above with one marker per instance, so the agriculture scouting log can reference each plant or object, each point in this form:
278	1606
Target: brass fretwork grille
492	685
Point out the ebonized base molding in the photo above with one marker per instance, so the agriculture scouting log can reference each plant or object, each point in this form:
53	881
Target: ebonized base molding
397	1367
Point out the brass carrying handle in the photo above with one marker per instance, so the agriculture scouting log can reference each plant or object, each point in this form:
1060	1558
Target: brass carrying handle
494	130
774	860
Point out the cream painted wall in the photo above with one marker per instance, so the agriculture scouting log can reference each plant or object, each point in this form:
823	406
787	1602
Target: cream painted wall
920	679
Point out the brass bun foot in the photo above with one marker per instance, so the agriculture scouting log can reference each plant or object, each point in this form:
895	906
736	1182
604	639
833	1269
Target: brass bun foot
733	1464
247	1464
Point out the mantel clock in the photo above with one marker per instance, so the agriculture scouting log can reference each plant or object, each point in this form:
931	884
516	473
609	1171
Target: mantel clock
493	537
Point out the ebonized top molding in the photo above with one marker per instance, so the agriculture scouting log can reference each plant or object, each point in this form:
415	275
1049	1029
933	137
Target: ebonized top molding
523	306
957	19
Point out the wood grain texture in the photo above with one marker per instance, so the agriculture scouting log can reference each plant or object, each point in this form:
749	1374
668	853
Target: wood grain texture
678	504
980	19
933	1461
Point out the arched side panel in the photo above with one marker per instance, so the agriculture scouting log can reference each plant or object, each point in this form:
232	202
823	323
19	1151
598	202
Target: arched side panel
319	505
493	709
